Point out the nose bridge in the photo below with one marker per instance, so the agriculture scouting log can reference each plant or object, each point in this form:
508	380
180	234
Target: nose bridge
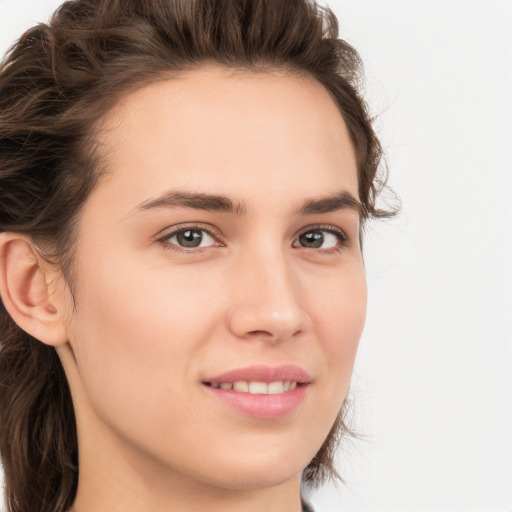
267	296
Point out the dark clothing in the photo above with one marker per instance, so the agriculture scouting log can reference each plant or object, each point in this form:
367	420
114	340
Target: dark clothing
306	507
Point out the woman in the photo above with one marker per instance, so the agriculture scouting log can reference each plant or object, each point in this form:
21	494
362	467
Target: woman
183	190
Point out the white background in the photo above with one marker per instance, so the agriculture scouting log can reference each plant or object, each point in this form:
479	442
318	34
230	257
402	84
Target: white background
433	380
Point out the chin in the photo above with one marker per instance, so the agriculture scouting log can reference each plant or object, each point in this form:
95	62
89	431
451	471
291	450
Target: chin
253	479
259	470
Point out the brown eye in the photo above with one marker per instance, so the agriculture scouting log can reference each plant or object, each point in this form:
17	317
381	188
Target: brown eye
320	239
191	238
312	239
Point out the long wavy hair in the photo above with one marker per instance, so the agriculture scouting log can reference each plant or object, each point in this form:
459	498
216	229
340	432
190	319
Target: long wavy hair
56	83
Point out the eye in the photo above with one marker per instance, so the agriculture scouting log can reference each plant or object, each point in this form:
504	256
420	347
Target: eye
321	238
190	238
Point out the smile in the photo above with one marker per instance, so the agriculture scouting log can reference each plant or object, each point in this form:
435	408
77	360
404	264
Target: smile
256	388
261	392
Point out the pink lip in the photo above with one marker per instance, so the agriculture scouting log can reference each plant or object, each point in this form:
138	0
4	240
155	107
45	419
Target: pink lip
262	406
263	374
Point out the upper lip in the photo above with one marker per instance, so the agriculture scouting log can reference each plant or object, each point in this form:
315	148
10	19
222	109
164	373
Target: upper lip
262	373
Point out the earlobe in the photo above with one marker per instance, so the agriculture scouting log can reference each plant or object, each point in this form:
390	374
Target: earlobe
25	281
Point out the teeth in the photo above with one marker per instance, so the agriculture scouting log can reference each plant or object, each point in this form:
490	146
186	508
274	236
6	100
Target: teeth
275	387
241	386
257	388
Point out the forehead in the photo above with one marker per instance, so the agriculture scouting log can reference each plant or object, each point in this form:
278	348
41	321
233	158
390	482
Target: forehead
218	131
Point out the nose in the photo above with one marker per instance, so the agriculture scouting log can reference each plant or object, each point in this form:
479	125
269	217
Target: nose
267	299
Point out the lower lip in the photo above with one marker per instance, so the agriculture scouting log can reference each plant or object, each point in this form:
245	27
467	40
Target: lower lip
261	406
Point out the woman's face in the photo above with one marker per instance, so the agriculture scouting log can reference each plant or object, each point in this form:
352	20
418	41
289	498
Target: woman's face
221	249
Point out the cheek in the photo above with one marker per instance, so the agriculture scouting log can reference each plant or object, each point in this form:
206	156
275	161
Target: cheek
135	335
339	318
131	304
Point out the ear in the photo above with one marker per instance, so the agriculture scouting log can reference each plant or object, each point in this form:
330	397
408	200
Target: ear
28	287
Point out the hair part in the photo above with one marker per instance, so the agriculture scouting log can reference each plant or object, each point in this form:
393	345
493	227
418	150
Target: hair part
56	85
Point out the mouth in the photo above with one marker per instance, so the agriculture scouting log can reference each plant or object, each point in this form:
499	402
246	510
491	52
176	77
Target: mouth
255	387
260	391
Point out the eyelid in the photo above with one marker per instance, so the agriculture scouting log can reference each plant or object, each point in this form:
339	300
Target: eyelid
215	233
168	232
344	239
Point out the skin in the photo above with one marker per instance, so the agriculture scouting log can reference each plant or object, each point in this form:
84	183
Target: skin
154	319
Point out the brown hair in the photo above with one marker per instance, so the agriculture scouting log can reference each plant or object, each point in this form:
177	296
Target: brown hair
56	83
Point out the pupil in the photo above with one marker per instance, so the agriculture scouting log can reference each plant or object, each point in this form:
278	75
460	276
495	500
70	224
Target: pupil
190	238
314	240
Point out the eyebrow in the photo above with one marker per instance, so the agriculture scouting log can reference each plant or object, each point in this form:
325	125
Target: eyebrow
198	201
343	200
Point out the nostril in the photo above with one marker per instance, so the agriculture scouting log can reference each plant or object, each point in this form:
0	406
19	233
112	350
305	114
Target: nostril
260	333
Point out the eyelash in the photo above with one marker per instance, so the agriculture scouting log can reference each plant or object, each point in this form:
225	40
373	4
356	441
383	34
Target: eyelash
343	239
215	234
